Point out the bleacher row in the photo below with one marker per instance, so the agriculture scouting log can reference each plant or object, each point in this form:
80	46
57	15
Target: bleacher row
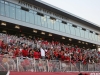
40	55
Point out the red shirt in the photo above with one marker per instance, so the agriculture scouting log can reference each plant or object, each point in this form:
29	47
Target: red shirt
16	53
0	43
24	53
3	46
73	49
36	55
79	50
67	58
66	48
56	54
46	43
62	57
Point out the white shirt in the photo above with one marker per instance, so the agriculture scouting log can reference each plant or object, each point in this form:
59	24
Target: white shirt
42	52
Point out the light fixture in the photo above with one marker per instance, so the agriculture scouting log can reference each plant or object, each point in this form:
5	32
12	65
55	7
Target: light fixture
79	41
70	39
63	37
86	43
43	33
82	42
4	31
35	31
17	27
22	34
30	36
83	47
93	45
50	34
3	23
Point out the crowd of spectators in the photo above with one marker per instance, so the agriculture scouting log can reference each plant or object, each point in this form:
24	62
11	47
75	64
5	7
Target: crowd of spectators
52	50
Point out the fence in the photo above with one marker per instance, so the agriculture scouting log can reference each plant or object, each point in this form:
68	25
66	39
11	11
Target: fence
21	64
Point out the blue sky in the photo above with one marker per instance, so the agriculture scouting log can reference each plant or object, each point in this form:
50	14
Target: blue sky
86	9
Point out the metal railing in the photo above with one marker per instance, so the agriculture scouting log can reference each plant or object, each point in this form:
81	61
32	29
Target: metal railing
22	64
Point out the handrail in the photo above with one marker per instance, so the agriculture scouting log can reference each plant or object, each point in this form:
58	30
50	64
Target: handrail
43	65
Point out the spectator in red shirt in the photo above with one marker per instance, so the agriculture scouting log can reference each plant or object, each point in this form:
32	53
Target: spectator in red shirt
36	54
56	54
3	45
62	55
25	52
16	52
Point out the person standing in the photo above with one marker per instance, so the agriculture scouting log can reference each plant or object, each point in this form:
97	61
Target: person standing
42	51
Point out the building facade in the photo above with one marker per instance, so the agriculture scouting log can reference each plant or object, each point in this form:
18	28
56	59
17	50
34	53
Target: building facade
38	15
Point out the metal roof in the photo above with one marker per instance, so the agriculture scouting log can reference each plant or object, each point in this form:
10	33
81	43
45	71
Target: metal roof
57	10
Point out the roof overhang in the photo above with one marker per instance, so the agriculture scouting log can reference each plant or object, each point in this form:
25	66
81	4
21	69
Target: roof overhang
57	10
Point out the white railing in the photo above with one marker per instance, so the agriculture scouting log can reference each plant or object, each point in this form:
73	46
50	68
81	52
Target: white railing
21	64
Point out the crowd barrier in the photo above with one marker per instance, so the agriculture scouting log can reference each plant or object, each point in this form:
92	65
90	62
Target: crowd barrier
24	64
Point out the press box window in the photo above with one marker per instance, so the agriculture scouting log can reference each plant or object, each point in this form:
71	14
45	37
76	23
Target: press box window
74	26
91	31
40	14
84	29
64	22
96	33
25	9
52	18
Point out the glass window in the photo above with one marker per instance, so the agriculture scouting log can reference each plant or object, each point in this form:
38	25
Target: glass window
23	15
18	14
72	29
43	18
56	25
52	23
90	35
31	15
44	21
96	37
86	34
93	36
17	6
77	31
27	16
7	10
31	11
2	9
2	1
67	28
48	21
62	27
12	12
11	4
36	19
82	32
